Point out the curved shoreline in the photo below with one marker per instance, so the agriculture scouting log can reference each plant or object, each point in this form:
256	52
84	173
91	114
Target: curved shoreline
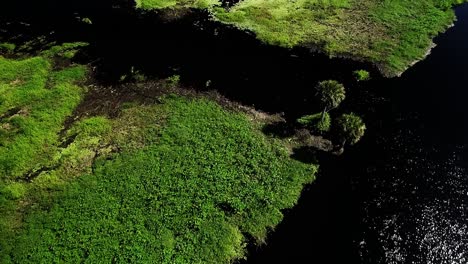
379	34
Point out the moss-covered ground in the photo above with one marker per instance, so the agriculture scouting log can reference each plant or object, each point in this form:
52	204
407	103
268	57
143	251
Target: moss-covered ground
391	34
184	180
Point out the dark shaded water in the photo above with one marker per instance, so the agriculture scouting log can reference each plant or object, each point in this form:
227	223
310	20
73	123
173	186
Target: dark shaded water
413	182
400	196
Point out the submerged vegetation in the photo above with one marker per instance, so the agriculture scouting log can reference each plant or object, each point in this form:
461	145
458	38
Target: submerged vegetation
389	34
179	180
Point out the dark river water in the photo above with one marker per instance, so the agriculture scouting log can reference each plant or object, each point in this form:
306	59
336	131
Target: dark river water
411	181
399	196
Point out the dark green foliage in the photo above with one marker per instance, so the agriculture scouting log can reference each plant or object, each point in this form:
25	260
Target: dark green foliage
65	50
319	123
350	128
7	48
186	196
330	93
173	80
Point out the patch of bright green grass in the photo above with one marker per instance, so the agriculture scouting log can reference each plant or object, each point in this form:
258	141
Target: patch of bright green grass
35	100
410	27
187	195
34	103
283	22
362	75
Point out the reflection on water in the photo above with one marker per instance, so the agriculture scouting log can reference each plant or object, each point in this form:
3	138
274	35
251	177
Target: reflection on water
418	205
414	190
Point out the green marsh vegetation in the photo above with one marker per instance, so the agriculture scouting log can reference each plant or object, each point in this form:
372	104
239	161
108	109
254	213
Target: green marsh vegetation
181	181
34	103
390	34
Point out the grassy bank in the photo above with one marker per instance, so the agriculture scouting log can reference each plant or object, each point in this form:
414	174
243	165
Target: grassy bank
179	181
158	4
389	34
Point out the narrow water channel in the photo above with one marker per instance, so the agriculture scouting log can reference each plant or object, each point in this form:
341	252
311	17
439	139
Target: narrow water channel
400	196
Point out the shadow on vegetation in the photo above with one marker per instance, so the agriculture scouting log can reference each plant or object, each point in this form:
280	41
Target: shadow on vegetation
308	154
279	129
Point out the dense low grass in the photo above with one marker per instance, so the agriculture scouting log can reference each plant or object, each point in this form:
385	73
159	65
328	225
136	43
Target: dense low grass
391	34
188	196
283	22
179	182
409	29
34	103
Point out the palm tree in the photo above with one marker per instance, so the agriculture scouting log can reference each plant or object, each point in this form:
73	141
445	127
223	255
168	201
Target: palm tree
330	93
351	128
